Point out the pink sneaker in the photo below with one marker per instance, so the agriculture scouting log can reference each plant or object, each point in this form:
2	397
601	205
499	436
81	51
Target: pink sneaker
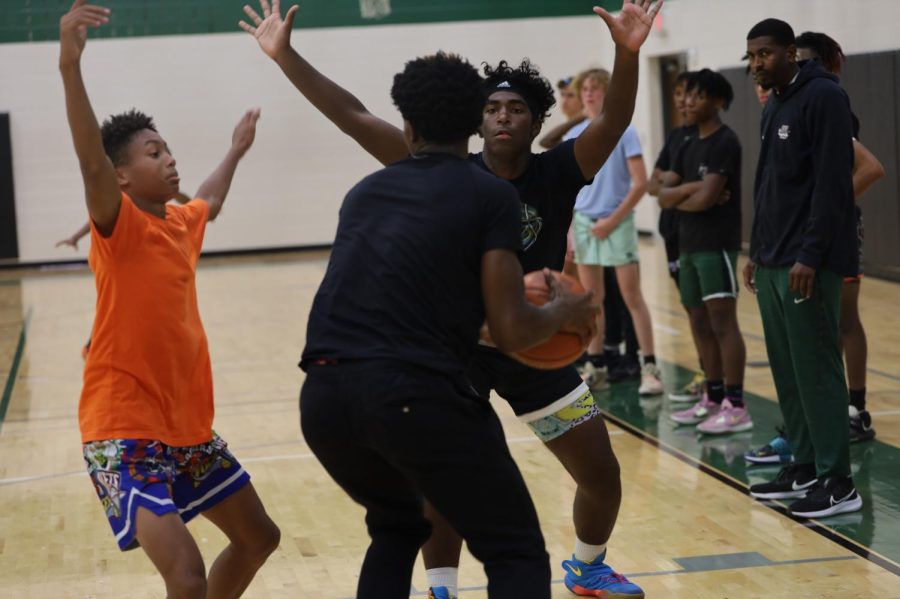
728	420
697	413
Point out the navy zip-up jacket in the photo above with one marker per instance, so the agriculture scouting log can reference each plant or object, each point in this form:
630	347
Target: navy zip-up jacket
803	194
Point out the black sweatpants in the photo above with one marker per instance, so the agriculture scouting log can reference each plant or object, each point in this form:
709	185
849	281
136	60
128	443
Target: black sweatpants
390	434
619	326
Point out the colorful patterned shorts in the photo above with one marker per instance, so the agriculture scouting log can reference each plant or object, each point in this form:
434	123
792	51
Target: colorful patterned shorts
132	473
562	416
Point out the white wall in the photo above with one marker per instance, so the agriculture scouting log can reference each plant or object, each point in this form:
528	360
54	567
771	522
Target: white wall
288	189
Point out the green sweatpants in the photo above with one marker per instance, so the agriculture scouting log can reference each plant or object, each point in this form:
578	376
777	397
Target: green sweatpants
803	343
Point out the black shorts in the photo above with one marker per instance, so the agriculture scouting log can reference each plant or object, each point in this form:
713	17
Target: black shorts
526	389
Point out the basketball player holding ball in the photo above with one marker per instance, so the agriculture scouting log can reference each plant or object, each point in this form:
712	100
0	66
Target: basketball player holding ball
555	404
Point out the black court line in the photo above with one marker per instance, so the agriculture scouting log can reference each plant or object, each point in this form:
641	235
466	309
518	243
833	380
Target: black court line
813	525
14	368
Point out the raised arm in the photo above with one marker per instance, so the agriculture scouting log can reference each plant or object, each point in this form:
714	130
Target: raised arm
216	186
867	169
377	137
514	323
629	29
101	185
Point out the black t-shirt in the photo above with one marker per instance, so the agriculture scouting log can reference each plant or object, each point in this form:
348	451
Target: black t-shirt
718	228
668	217
404	279
547	190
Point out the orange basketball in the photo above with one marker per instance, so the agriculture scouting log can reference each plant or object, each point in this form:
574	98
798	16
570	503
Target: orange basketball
562	348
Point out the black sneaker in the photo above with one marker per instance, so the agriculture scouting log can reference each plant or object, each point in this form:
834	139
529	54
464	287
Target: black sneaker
860	425
832	495
626	369
792	482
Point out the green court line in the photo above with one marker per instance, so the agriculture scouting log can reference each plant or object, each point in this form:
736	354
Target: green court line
875	464
14	368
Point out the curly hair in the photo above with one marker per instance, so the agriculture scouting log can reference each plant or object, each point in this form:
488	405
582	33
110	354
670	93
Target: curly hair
118	130
713	84
441	96
825	48
526	78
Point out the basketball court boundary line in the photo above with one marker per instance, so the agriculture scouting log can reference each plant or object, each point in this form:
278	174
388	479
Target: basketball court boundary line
811	524
14	368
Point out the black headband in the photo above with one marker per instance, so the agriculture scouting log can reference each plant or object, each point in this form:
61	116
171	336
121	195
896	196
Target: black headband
510	86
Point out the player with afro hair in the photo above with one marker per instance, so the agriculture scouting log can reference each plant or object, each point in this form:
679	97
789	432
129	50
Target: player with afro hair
556	404
441	97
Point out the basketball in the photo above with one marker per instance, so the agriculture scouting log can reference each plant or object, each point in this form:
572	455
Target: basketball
562	348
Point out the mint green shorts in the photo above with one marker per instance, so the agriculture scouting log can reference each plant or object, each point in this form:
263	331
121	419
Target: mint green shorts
619	249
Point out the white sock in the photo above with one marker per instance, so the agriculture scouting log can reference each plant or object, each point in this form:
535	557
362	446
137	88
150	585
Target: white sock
443	577
587	553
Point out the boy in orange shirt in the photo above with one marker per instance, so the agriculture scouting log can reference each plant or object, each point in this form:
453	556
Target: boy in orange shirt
146	406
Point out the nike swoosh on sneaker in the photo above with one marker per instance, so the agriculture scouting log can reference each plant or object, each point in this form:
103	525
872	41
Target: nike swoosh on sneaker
796	487
575	569
841	500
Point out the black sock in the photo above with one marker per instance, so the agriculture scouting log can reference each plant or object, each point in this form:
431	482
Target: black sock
650	359
858	398
611	355
735	394
596	360
716	391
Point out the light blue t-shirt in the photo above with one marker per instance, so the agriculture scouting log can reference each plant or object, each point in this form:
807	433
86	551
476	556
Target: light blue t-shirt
613	181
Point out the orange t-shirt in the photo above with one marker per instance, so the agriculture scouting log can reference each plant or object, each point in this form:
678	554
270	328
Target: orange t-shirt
148	374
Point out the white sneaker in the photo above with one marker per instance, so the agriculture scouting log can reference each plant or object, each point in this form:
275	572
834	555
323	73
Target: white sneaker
650	380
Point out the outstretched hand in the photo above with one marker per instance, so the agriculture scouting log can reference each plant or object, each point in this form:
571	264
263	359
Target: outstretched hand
73	29
631	26
69	241
245	131
271	31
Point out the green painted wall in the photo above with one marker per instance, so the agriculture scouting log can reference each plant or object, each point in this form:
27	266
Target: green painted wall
38	20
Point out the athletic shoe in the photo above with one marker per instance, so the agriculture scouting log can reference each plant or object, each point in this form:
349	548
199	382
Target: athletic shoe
729	419
440	593
860	425
700	411
831	495
594	377
651	383
690	392
776	451
596	579
792	482
625	369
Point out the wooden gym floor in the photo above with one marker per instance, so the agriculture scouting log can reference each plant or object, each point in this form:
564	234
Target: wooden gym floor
686	527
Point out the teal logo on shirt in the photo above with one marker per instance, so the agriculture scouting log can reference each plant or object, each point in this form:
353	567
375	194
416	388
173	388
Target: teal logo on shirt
531	225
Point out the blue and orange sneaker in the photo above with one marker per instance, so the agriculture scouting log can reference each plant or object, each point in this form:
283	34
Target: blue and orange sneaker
440	593
596	579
